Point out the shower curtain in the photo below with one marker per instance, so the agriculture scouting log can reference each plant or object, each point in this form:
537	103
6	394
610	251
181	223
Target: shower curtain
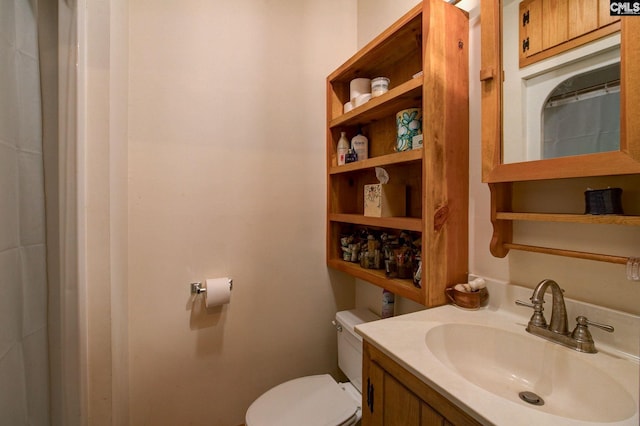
24	362
40	327
582	126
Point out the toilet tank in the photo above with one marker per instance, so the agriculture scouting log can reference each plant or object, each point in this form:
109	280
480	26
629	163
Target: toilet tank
350	343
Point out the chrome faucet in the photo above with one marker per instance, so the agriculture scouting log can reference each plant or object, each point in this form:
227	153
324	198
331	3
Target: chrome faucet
580	339
558	310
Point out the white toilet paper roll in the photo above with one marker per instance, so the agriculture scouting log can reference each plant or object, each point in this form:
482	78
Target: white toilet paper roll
362	99
218	292
359	86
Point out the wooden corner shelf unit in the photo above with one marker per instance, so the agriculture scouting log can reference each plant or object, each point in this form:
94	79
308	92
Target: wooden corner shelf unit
431	38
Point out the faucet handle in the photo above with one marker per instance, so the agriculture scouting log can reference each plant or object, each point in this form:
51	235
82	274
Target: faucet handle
537	319
584	321
527	304
582	335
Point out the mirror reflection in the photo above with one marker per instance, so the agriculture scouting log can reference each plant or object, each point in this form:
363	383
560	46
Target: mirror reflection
582	114
566	104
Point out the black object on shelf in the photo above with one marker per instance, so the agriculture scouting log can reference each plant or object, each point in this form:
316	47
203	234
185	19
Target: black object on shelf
603	201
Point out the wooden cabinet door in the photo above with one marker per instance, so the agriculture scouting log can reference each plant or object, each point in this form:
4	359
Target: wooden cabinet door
401	407
550	27
386	401
530	28
604	14
372	394
555	24
583	17
394	397
431	417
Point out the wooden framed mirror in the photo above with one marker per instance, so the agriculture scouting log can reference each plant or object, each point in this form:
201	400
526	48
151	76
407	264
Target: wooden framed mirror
626	160
504	178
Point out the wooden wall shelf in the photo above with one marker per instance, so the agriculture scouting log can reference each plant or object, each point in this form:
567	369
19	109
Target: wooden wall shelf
400	287
384	160
571	218
425	56
404	96
502	220
402	223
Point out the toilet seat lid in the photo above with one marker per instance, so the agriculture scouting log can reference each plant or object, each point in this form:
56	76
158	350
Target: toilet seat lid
312	401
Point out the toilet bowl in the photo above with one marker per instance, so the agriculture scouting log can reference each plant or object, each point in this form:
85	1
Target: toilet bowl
319	400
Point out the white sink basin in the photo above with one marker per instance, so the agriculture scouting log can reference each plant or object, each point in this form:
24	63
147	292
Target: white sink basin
481	360
505	364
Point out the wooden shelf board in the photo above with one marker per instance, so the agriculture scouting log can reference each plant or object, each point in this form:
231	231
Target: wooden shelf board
401	223
571	218
407	94
384	160
399	287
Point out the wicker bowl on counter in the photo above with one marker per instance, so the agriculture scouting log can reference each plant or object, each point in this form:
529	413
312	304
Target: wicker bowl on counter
468	300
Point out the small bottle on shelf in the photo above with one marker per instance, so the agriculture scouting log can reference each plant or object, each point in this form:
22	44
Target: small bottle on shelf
360	144
343	149
352	157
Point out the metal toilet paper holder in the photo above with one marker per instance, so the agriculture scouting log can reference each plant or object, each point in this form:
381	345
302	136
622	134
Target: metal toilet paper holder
198	288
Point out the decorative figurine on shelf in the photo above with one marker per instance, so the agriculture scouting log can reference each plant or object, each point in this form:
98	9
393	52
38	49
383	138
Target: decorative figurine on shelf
399	254
351	157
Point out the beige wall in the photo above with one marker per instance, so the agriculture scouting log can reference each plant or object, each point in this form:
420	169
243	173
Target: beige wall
222	148
226	178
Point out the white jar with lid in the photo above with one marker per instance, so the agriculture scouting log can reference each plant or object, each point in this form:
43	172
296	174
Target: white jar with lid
379	85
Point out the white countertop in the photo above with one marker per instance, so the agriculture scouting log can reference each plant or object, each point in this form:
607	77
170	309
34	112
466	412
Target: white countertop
403	338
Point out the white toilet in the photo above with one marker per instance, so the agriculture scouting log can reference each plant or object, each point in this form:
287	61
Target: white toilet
319	400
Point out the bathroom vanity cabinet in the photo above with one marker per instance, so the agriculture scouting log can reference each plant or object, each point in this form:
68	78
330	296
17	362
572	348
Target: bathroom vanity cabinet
393	396
425	56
